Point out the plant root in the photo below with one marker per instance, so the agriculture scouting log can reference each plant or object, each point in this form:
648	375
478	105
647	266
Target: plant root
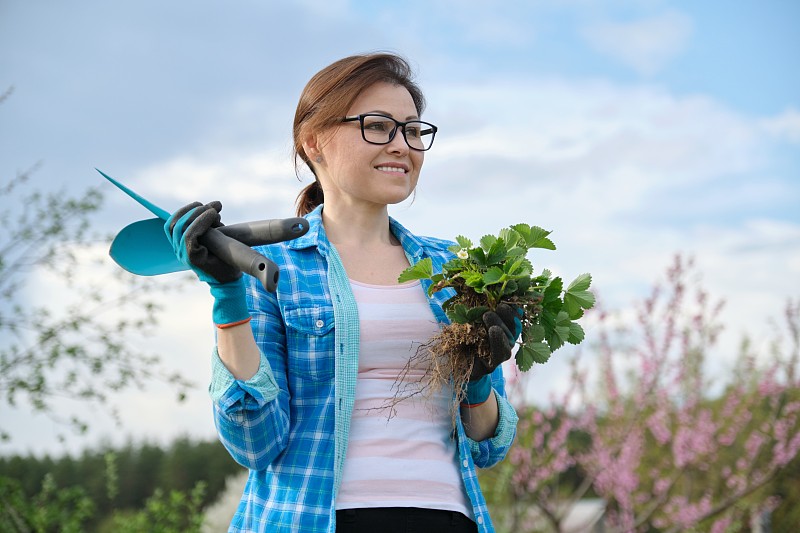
447	359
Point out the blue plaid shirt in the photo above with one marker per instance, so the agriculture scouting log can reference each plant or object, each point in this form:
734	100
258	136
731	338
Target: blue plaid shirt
289	424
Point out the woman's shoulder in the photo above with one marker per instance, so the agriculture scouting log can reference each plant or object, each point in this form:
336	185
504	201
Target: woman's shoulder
436	243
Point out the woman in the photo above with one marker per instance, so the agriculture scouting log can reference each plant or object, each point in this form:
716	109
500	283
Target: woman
299	375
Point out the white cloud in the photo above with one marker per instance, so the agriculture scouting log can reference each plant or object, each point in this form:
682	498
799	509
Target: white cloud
582	134
253	183
646	45
785	125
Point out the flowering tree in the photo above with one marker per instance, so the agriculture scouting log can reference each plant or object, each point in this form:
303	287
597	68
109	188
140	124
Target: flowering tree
652	443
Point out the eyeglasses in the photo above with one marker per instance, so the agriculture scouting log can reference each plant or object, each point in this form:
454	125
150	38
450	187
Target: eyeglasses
380	129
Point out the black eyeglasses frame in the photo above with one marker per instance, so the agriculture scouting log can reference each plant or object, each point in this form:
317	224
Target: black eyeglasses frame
397	124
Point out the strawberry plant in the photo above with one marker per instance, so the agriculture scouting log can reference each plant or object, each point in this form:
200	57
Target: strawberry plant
498	270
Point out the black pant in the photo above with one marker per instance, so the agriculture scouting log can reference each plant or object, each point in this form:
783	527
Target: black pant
402	520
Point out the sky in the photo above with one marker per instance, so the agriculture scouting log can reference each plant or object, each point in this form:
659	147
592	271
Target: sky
633	129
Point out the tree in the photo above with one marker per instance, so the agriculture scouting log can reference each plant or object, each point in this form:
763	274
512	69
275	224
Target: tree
52	509
74	348
650	441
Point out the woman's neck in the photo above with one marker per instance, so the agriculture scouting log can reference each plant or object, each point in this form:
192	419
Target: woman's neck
348	225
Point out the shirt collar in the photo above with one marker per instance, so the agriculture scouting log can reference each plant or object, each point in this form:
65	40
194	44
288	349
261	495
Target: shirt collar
315	236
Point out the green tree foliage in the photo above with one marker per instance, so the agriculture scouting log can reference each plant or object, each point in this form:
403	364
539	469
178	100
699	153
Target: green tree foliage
78	346
50	509
140	488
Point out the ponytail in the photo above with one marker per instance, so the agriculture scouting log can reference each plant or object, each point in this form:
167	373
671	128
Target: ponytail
309	198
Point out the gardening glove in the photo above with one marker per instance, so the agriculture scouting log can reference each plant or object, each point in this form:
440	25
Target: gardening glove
503	326
184	229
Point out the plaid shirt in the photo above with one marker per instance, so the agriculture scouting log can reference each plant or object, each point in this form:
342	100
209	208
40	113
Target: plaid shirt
289	424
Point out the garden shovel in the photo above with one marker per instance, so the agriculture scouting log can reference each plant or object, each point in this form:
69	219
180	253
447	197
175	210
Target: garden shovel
143	248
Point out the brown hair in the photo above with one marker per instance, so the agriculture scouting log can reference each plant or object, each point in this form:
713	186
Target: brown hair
330	93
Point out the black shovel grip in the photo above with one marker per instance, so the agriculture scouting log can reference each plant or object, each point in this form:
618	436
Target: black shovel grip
241	256
266	231
231	244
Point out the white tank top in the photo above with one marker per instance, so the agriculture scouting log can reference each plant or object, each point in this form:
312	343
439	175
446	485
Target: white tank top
408	459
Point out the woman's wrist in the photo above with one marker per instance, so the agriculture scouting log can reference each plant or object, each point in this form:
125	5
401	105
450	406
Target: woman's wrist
477	392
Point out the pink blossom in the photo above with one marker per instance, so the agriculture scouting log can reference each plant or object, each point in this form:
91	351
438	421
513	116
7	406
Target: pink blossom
657	424
721	524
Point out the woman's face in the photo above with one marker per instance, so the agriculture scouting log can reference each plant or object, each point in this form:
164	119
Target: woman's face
354	171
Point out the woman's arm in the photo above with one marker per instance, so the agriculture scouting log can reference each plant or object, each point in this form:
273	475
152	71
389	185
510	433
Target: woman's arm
480	421
238	351
249	386
495	444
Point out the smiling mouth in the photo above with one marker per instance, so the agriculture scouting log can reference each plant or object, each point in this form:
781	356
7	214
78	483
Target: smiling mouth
391	169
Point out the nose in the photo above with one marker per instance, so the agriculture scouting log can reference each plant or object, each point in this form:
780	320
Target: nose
398	143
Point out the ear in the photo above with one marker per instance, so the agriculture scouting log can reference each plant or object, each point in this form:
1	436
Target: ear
311	146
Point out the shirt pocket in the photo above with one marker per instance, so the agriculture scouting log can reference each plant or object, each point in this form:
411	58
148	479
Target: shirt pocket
310	341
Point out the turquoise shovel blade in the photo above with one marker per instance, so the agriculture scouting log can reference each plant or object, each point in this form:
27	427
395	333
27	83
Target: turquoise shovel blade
142	248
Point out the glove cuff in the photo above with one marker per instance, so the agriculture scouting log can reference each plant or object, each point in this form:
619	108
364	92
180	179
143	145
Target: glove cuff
230	306
477	392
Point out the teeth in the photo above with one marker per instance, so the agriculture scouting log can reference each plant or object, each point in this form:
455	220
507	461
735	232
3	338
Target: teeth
391	169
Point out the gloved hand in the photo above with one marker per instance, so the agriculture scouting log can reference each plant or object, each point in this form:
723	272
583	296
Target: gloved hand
503	326
184	229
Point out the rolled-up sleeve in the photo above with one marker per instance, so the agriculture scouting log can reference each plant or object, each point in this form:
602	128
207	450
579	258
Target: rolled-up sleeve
233	395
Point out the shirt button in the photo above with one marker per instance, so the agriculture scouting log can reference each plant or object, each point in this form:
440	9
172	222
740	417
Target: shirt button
466	463
320	323
480	520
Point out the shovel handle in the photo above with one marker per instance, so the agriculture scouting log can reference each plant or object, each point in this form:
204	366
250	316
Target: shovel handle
266	231
241	256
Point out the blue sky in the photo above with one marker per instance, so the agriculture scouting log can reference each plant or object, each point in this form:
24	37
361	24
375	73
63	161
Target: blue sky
632	129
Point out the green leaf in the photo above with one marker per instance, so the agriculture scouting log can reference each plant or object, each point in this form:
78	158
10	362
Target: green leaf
478	256
473	279
552	294
548	320
576	333
515	251
556	329
512	238
453	266
535	237
457	314
463	242
577	297
535	333
511	267
475	314
487	241
422	270
581	283
511	287
493	275
583	299
497	252
543	278
537	352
